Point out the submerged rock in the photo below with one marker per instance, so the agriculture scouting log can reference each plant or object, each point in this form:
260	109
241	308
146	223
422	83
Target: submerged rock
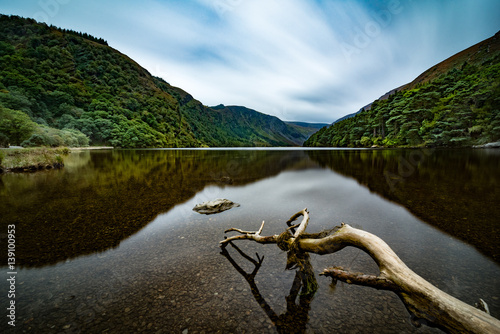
215	206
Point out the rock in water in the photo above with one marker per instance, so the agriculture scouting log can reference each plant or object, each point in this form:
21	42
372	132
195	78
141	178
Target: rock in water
215	206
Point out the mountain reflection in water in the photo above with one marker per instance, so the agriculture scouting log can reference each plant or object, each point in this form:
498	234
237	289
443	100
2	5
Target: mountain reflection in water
103	197
457	191
110	243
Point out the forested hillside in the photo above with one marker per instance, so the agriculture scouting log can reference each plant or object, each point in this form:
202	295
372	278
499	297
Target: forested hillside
455	103
60	87
258	127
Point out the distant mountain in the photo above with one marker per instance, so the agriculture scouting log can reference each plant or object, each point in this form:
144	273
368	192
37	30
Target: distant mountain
307	129
455	103
307	125
262	129
61	87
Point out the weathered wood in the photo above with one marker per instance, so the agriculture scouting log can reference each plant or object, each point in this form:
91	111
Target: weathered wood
377	282
255	235
424	301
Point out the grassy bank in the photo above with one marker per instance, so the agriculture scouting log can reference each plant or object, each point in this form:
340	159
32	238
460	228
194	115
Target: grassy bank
31	159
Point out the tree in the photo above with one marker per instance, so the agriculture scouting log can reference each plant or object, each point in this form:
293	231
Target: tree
16	125
4	140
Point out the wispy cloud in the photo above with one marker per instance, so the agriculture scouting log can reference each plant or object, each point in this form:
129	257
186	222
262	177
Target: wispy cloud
297	59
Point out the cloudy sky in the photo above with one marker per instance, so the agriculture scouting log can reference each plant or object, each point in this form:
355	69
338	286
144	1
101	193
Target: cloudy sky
304	60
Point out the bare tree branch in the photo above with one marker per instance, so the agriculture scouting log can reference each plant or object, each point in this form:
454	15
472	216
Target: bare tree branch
302	226
255	235
249	235
377	282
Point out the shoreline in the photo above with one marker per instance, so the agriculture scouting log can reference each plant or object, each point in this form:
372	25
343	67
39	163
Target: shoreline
91	148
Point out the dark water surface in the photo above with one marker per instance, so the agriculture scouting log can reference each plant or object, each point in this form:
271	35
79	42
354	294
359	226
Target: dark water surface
109	244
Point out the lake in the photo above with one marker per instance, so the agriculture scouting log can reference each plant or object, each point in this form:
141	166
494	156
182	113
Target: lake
110	244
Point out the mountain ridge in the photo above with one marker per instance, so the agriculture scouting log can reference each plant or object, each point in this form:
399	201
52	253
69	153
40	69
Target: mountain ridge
470	53
453	103
68	88
473	54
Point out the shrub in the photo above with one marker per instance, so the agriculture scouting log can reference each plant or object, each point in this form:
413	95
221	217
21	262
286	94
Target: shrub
366	141
34	140
46	136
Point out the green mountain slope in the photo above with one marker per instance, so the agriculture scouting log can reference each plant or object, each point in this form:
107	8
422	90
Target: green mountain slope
260	128
75	89
455	103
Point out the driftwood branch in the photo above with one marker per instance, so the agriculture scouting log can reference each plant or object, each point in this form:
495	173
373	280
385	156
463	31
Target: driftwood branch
372	281
300	227
273	238
249	235
423	300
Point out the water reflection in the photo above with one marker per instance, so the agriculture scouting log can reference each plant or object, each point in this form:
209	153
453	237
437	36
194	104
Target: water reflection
102	197
457	191
167	275
296	316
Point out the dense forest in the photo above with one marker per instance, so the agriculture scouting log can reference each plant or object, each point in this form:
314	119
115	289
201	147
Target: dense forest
61	87
454	104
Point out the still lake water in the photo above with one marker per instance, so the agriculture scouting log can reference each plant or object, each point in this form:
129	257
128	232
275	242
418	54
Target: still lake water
110	243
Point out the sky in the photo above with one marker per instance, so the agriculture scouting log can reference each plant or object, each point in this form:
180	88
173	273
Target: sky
299	60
